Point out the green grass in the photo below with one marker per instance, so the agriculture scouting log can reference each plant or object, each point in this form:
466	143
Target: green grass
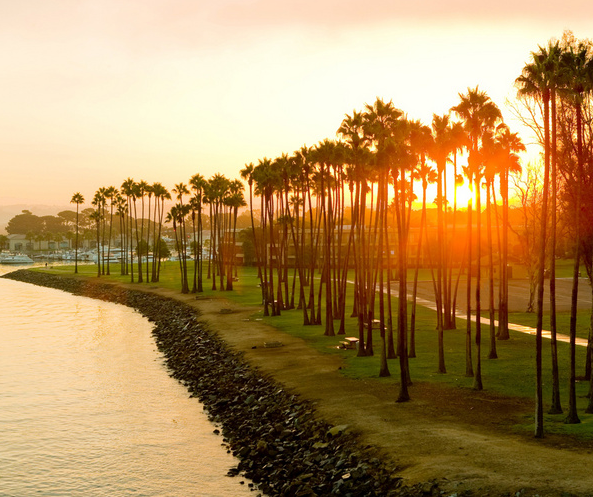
512	374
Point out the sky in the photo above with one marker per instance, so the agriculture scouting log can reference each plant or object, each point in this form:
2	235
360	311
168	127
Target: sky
94	92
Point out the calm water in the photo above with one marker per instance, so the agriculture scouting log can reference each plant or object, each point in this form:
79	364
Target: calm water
87	407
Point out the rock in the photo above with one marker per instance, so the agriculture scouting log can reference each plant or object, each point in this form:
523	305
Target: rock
335	431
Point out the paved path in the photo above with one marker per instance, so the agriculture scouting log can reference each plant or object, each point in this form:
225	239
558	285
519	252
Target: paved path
512	326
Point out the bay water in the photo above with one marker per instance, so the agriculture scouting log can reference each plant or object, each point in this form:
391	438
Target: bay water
87	407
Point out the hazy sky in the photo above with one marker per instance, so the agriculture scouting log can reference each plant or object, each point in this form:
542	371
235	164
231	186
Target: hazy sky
93	92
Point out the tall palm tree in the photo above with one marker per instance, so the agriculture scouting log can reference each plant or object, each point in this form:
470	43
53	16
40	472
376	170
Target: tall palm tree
507	162
442	147
426	174
536	80
180	190
96	217
247	174
554	54
149	193
141	190
197	183
577	65
161	195
352	132
459	142
110	194
235	200
129	190
265	180
324	156
122	213
387	132
421	143
77	199
99	203
479	115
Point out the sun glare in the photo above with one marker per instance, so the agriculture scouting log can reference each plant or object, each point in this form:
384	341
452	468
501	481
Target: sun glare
464	194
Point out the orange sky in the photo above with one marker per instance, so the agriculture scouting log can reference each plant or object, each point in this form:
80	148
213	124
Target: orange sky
93	92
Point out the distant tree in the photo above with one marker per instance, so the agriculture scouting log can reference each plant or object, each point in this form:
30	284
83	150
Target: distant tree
23	223
68	217
3	242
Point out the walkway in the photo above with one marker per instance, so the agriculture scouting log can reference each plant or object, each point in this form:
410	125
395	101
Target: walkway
512	326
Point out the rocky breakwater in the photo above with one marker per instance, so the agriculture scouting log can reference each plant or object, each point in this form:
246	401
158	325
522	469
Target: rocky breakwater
282	445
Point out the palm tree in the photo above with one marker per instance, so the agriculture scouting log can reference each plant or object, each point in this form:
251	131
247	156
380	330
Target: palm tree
99	203
122	212
577	65
128	188
387	132
426	174
267	180
506	147
247	174
553	59
324	156
96	217
234	201
160	194
180	190
149	192
141	189
459	141
352	132
421	143
111	194
442	146
197	183
479	115
77	199
535	80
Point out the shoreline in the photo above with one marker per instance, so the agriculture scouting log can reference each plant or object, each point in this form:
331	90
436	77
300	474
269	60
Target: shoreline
282	445
451	442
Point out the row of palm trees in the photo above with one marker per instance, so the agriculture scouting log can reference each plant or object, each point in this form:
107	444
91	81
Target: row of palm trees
340	212
137	211
379	157
556	85
223	198
374	165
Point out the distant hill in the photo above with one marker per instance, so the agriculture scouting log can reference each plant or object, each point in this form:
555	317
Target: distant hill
7	212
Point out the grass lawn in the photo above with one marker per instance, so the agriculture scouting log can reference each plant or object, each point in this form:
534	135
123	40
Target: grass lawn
513	373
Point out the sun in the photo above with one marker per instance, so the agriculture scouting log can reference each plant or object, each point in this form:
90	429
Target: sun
464	194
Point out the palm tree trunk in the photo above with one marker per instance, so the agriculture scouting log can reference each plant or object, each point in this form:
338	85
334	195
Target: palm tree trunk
469	369
556	406
404	395
478	375
492	354
572	416
539	408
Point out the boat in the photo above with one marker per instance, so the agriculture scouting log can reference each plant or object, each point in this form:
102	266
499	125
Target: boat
15	259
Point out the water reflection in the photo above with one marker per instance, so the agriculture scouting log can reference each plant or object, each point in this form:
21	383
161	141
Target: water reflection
86	407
